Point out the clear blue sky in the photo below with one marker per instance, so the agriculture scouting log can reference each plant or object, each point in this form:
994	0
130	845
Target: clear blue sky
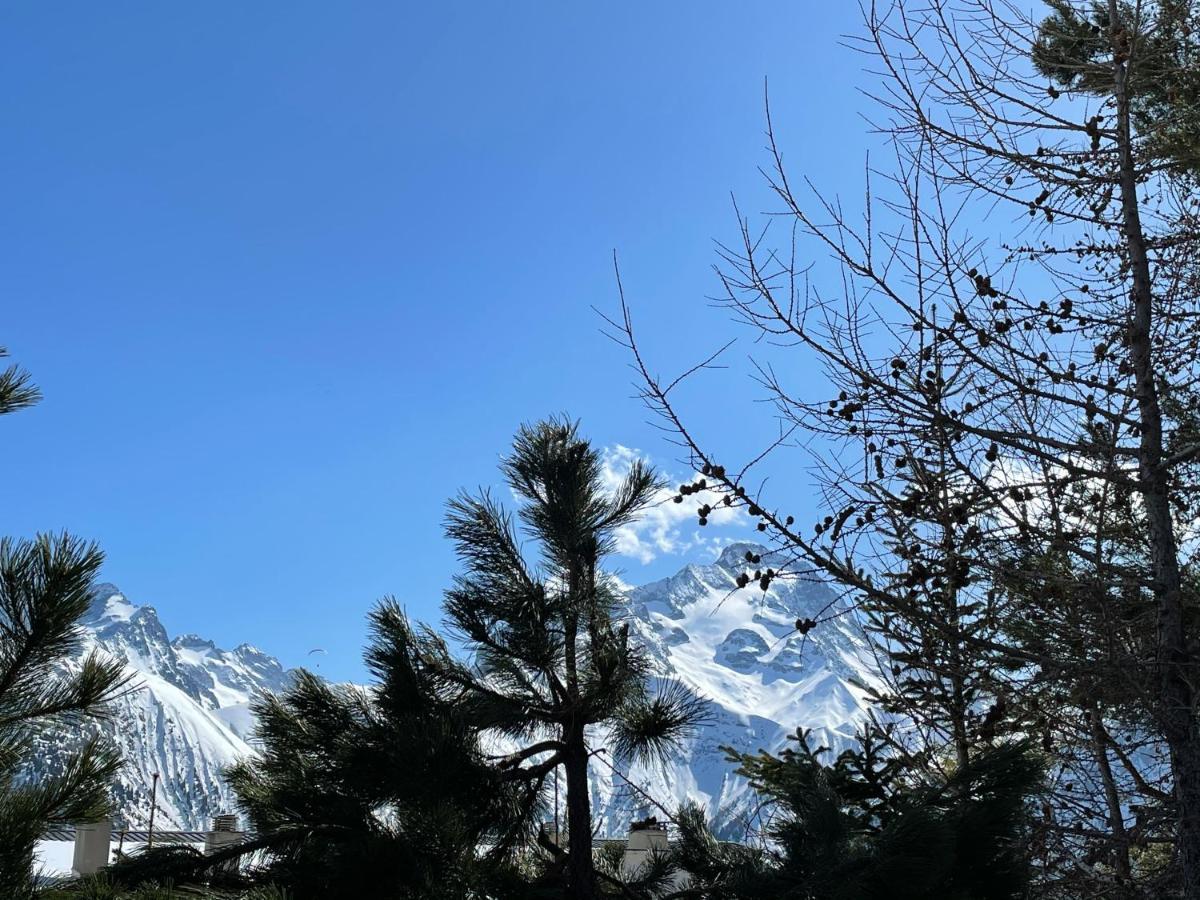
291	274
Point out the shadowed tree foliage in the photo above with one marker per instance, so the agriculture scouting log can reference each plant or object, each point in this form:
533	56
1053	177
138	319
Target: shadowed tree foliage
1075	46
117	884
45	587
382	791
550	659
869	827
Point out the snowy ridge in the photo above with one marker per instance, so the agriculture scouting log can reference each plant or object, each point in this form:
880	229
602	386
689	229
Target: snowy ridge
189	714
185	717
761	680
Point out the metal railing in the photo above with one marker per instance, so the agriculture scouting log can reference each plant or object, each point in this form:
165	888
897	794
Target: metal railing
67	833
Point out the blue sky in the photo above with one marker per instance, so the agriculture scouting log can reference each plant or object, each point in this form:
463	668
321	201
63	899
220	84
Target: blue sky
290	275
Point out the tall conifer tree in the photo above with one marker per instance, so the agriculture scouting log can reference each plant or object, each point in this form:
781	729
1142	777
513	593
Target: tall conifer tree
550	658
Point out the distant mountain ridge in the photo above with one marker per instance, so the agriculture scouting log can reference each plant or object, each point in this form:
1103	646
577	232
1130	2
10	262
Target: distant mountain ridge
189	715
739	650
186	716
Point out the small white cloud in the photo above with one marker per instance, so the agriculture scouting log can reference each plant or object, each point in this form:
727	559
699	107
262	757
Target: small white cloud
666	527
622	586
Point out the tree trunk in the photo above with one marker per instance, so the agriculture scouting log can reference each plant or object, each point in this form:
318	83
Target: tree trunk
1176	698
958	717
581	875
1116	816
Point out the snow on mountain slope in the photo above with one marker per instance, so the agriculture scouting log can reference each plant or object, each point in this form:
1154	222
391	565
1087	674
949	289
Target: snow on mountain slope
185	717
189	715
740	652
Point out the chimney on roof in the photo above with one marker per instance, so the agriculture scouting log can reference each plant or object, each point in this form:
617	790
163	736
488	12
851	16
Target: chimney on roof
91	847
224	834
646	837
556	834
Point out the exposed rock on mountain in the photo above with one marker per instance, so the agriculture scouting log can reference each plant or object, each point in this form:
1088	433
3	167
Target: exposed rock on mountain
188	715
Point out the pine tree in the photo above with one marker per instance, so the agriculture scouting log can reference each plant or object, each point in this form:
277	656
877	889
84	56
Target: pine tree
1074	49
550	658
390	790
378	792
45	588
869	827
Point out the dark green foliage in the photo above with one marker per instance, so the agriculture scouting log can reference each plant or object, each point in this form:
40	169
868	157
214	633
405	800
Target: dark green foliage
45	587
548	650
153	865
17	391
645	727
130	881
550	657
723	871
379	792
1161	40
873	826
653	879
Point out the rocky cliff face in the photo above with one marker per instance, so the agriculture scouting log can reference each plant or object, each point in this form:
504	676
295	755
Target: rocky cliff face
188	715
738	650
185	717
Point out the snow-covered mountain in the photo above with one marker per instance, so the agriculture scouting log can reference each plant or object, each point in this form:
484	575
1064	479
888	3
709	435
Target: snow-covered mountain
186	715
189	714
739	650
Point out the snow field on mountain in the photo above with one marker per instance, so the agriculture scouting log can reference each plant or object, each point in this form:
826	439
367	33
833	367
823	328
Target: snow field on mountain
189	716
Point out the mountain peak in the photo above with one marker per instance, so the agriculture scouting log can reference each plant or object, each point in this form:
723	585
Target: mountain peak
105	589
188	718
733	557
193	642
108	605
738	650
